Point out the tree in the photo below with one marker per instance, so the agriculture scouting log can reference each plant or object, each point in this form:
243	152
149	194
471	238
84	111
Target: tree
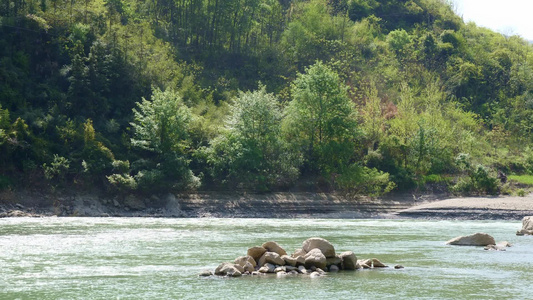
321	119
250	153
161	128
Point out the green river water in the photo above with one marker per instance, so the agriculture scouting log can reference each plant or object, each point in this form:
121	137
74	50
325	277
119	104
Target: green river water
145	258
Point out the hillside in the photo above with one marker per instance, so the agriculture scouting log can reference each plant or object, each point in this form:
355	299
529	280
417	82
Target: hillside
356	96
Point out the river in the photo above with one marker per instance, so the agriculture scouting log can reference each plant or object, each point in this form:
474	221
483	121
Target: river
148	258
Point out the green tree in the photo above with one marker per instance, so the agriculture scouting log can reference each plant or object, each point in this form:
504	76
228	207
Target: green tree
161	129
250	153
321	119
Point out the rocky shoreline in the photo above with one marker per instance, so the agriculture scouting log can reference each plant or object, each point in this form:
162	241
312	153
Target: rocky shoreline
271	205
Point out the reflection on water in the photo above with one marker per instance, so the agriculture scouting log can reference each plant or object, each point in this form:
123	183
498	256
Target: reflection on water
143	258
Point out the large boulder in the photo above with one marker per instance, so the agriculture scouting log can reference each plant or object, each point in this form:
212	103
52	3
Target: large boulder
274	247
242	260
319	243
476	239
256	252
271	257
228	269
349	261
527	226
316	258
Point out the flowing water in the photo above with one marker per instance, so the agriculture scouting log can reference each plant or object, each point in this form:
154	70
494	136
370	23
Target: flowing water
144	258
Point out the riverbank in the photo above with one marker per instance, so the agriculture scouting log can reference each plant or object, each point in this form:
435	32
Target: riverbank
272	205
473	208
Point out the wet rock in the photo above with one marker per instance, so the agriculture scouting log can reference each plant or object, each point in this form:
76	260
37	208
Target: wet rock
205	273
293	272
290	268
271	257
365	263
280	269
228	269
377	264
315	275
281	274
336	260
349	260
501	246
319	243
256	252
315	258
263	269
398	267
274	247
333	269
476	239
302	270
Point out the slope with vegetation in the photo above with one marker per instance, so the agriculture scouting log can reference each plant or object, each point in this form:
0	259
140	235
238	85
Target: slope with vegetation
357	96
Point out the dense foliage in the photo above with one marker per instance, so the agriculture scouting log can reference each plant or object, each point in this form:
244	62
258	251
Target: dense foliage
350	95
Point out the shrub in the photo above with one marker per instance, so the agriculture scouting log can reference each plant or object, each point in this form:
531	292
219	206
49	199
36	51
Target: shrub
356	180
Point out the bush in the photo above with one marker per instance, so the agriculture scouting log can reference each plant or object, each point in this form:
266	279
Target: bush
479	181
357	180
122	182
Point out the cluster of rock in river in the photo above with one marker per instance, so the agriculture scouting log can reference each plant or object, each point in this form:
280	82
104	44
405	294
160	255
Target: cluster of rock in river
316	257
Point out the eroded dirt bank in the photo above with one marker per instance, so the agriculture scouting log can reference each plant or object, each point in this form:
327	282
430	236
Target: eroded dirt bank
271	205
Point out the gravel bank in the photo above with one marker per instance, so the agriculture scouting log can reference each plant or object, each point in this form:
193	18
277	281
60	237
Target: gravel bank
472	208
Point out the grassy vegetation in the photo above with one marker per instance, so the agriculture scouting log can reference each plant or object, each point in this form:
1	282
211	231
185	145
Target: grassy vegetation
524	179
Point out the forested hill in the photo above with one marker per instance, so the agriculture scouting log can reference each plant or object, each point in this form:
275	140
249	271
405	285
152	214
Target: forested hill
358	96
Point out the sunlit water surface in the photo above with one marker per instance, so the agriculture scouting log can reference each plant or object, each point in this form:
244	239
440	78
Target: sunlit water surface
144	258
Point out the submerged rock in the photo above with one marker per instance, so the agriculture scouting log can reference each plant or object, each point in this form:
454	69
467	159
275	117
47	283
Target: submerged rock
205	273
319	243
501	246
476	239
398	267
